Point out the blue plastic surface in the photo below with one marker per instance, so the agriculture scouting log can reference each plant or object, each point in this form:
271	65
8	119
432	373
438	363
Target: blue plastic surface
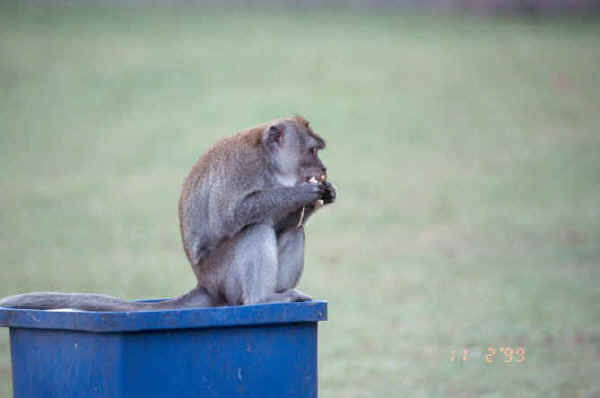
265	350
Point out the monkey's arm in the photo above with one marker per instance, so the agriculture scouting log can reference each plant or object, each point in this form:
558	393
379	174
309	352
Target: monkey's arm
275	204
298	218
295	219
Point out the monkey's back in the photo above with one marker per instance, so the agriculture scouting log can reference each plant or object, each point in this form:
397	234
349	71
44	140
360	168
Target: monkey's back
226	173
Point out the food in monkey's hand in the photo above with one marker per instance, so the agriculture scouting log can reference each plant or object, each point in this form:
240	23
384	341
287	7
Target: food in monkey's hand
317	204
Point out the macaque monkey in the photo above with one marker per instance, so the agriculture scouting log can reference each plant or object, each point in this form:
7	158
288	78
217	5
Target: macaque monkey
241	213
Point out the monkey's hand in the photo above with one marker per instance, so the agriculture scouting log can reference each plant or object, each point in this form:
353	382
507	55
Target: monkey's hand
329	193
308	193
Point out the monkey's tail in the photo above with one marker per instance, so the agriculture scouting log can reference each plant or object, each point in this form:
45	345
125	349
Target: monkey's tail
78	301
100	302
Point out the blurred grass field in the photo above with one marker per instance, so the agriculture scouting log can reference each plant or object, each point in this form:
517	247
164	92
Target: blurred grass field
466	152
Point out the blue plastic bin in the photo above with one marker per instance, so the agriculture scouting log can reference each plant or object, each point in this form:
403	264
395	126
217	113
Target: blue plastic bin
265	350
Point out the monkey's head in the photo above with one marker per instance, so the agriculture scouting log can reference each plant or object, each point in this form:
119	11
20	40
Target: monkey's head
293	151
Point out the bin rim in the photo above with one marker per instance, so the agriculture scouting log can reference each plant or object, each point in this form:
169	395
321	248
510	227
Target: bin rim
184	318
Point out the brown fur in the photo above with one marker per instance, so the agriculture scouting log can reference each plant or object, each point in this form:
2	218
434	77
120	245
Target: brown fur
237	155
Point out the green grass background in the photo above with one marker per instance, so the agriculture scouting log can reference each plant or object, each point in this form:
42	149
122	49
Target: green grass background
466	152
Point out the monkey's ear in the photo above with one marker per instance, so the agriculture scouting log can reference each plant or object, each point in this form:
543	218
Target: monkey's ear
274	134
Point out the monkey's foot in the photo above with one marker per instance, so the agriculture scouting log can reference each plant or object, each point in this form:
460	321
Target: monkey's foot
290	296
295	295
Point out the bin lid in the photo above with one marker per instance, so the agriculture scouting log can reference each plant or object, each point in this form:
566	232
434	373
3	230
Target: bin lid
185	318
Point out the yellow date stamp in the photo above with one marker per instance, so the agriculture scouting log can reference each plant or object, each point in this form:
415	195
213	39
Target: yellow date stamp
501	354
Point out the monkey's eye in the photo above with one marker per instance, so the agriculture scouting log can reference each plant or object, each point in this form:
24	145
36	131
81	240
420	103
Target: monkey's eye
314	150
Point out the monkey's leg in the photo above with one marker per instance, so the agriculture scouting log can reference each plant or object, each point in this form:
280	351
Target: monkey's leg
252	267
290	245
250	260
